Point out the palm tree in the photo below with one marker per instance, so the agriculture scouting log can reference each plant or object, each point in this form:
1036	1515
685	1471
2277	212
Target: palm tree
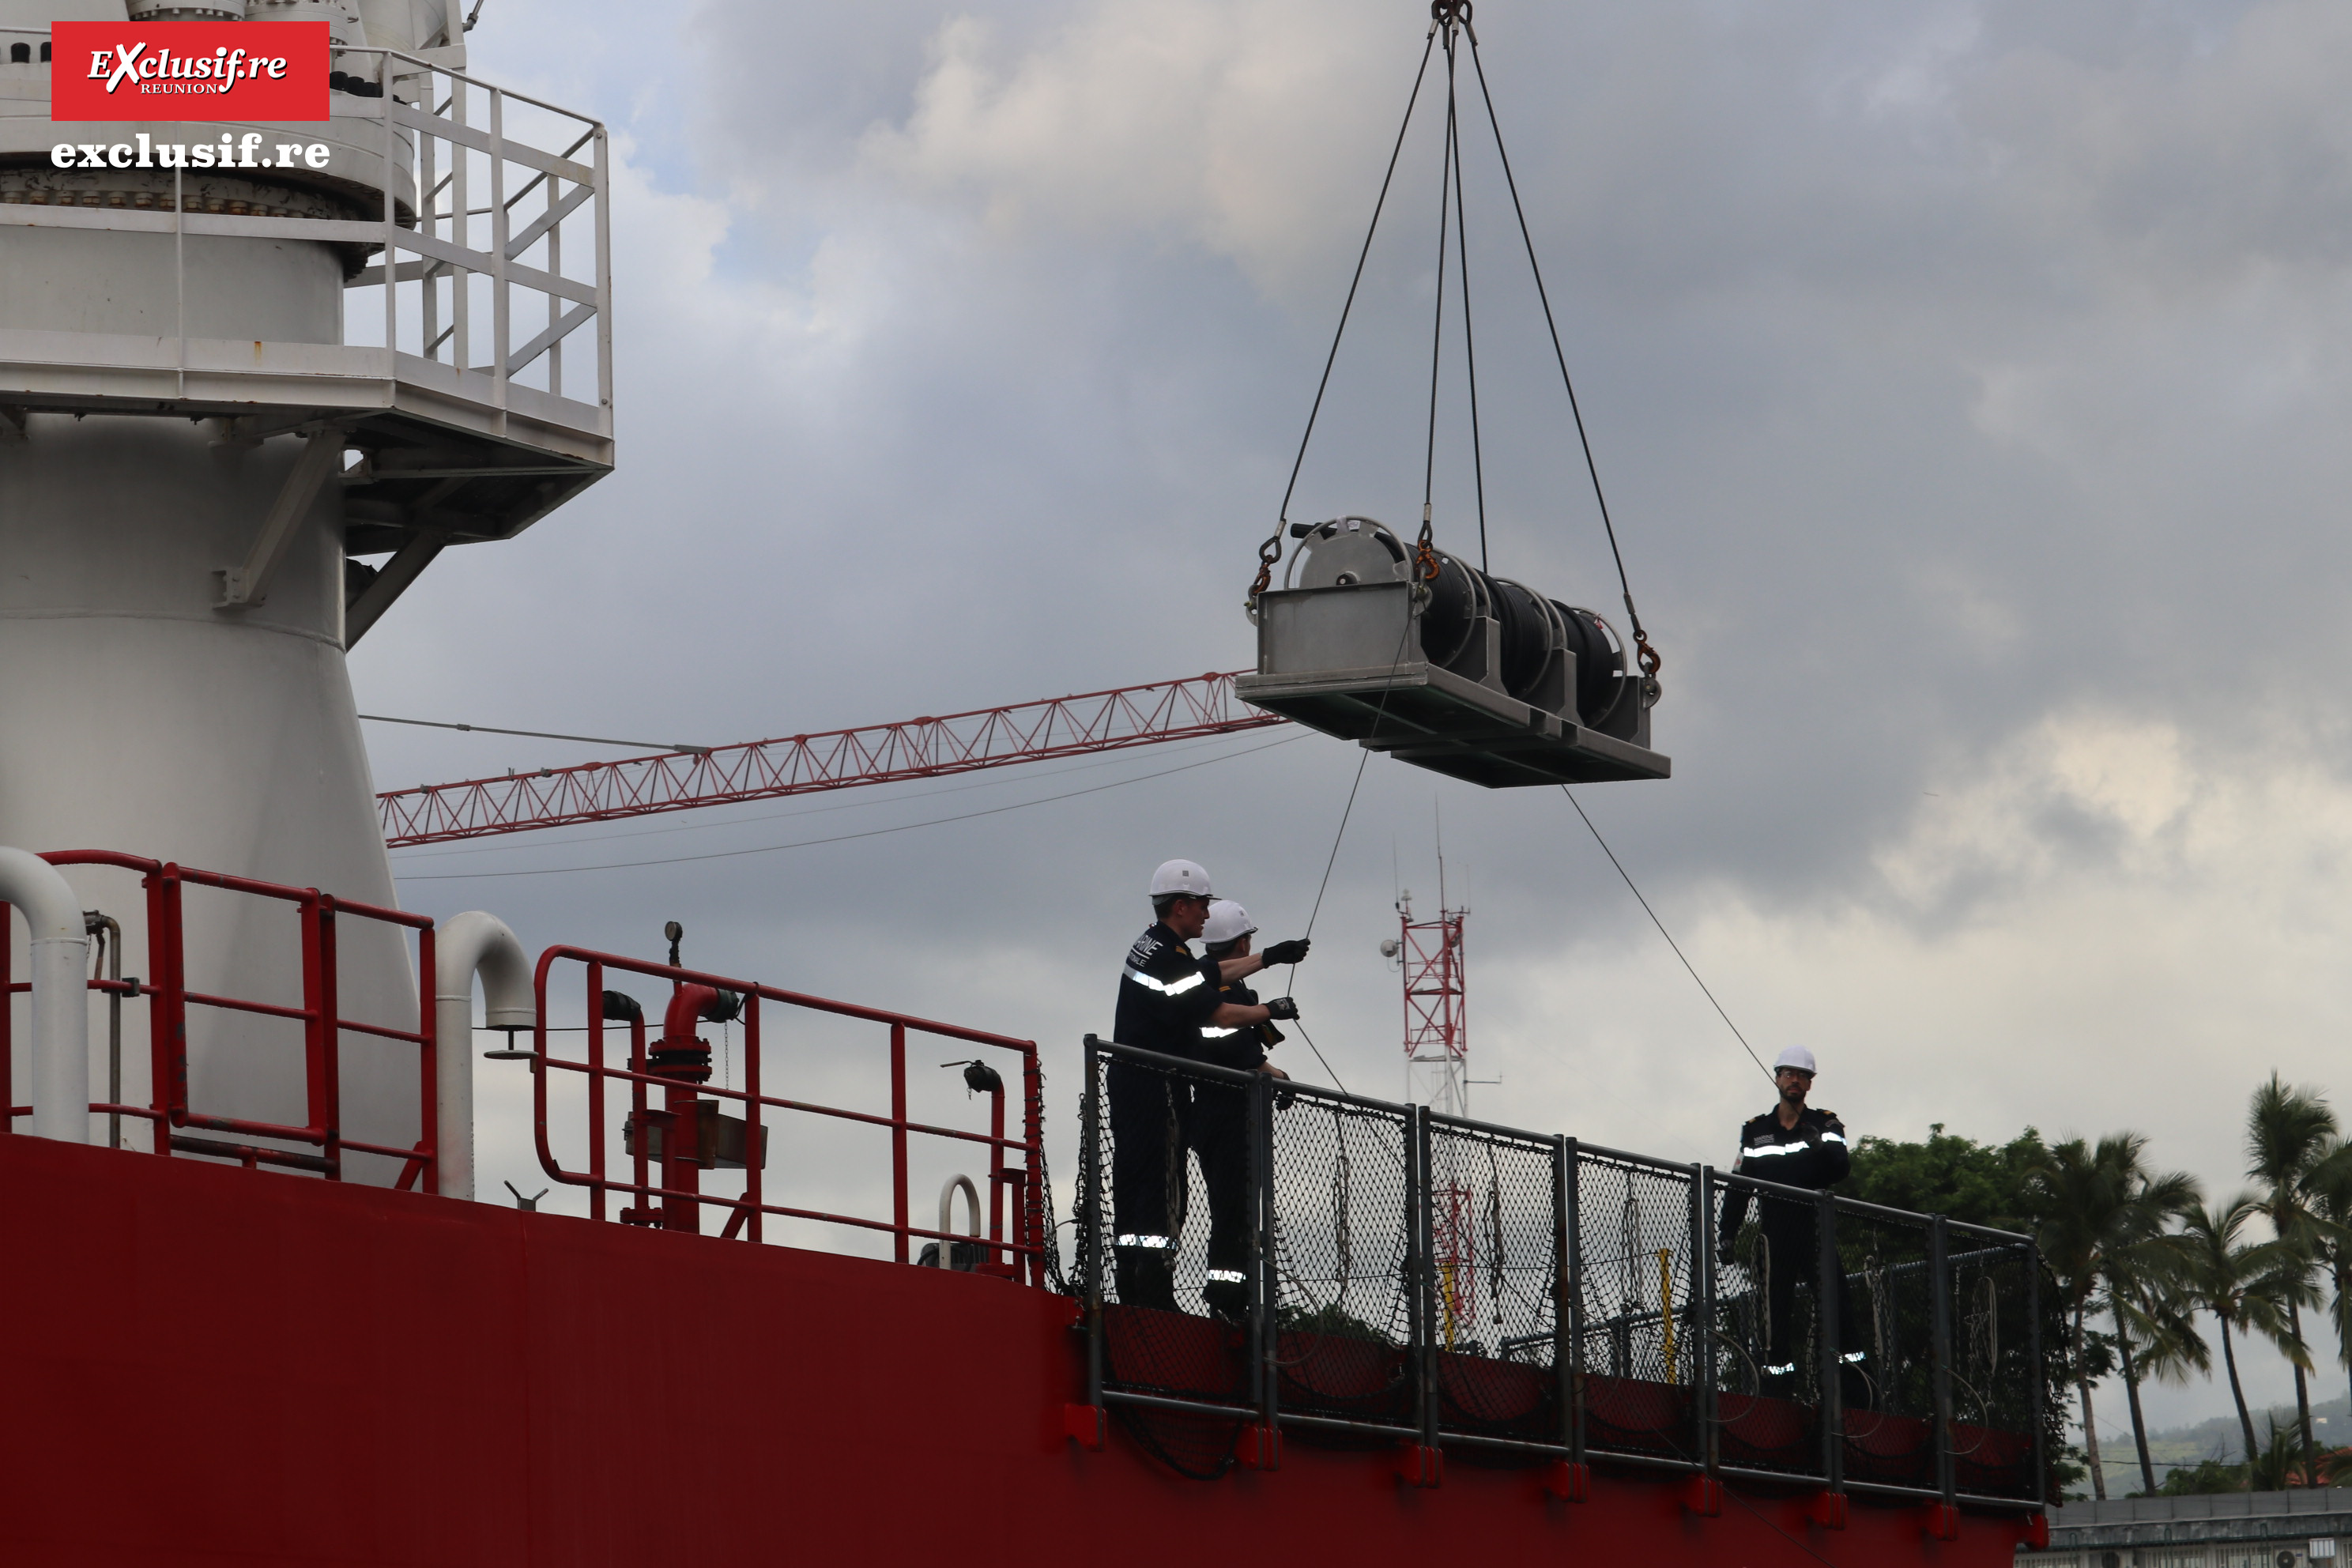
2290	1133
2243	1284
2331	1184
2156	1330
2102	1208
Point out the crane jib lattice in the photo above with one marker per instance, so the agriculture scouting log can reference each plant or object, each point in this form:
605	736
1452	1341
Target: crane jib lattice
1196	707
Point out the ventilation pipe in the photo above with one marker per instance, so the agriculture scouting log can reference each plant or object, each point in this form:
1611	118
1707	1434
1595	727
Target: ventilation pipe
60	996
472	943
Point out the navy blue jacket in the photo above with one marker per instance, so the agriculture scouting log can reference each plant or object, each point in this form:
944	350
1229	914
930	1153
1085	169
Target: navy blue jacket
1243	1045
1812	1154
1165	995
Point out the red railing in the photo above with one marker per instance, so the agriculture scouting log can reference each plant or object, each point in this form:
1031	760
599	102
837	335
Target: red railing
678	1192
169	998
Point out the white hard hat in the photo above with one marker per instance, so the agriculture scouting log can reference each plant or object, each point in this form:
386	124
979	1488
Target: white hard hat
1180	876
1796	1056
1228	922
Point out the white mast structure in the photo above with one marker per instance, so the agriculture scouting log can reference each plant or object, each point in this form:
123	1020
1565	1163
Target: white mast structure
241	409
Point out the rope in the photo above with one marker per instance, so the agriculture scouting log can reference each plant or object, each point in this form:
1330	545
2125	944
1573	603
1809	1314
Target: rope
1269	552
1650	660
1313	1047
1469	337
1664	932
1424	550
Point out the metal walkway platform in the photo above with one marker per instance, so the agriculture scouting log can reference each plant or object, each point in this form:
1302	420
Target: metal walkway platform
473	226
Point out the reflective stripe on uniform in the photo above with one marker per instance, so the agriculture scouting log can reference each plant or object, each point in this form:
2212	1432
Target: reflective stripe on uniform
1209	1032
1162	1243
1777	1149
1227	1277
1852	1356
1832	1137
1166	987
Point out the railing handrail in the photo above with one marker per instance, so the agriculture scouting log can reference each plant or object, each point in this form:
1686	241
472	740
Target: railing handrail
169	997
1027	1244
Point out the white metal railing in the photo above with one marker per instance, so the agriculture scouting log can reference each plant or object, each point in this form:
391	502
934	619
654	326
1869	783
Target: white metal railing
535	257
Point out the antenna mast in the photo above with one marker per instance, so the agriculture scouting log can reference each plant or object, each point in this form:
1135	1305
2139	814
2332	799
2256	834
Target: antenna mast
1437	1074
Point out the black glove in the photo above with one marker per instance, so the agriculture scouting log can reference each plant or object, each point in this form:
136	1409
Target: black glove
1282	1008
1282	953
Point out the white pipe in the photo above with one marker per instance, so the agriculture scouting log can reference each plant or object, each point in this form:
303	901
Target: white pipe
60	995
471	943
947	1214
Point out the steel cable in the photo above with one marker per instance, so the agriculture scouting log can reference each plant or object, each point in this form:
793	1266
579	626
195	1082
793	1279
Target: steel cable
1271	551
1648	655
1664	932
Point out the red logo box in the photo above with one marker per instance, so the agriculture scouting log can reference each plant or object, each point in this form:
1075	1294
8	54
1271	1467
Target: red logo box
188	71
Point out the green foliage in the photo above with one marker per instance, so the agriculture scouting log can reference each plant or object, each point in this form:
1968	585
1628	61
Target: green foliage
2206	1475
1979	1183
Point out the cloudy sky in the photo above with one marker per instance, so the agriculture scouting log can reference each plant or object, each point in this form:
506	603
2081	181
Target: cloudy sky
1967	378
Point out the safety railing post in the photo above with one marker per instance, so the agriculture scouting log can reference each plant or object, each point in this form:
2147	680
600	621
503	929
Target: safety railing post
1571	1310
1562	1338
501	333
899	1145
603	274
1265	1300
1702	1315
391	232
330	1120
159	1016
2035	1385
7	1024
1091	1217
461	204
428	1051
1939	1352
1033	1187
1425	1294
996	1176
1827	1275
595	1069
755	1131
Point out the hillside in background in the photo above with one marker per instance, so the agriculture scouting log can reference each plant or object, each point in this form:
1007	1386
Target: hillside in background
2218	1439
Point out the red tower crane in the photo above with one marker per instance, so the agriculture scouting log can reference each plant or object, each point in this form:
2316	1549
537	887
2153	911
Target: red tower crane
1109	721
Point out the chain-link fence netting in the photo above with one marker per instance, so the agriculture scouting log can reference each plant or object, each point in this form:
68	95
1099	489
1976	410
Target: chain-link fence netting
1994	1371
1343	1202
1496	1265
1768	1328
1173	1251
1707	1318
1886	1347
1640	1340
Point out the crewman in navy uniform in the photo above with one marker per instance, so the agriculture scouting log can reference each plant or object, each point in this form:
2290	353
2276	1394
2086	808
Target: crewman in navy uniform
1218	1130
1165	996
1795	1145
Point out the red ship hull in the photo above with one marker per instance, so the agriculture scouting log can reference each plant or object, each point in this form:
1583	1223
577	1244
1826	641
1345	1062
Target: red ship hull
220	1366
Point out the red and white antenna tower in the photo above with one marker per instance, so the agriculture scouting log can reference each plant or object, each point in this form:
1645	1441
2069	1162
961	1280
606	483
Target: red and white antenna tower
1436	1031
1437	1074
